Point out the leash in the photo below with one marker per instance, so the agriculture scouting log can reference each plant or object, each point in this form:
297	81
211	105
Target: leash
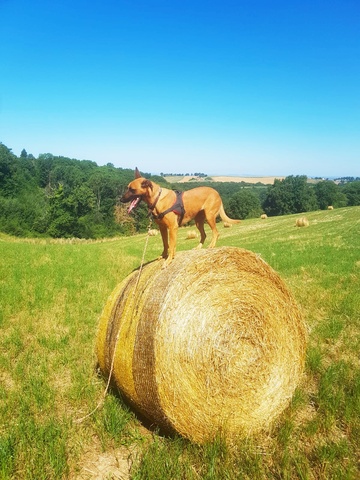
102	399
143	256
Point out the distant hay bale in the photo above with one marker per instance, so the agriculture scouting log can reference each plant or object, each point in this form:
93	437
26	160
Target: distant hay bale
223	358
302	222
153	232
191	234
227	225
330	207
264	216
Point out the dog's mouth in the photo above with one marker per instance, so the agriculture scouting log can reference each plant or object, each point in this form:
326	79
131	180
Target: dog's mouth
133	204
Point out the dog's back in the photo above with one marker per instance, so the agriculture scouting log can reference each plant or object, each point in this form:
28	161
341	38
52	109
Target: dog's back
204	199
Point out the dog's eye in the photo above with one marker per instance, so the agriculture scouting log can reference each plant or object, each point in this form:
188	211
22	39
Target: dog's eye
132	190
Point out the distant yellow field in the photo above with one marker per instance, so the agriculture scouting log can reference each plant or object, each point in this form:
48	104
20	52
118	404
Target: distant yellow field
265	180
184	179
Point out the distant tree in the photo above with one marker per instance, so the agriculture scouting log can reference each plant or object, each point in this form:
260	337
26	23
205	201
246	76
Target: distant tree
106	189
44	167
352	192
81	200
344	180
7	169
244	204
62	220
16	176
328	193
63	197
291	195
160	180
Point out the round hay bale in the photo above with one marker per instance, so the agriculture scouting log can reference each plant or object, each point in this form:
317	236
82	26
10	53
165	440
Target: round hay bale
191	234
302	222
264	216
153	232
227	225
330	207
213	344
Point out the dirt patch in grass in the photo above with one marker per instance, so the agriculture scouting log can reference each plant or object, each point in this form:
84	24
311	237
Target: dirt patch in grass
114	464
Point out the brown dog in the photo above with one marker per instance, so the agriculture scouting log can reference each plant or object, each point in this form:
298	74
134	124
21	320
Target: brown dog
171	209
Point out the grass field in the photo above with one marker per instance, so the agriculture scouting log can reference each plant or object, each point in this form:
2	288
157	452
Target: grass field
52	294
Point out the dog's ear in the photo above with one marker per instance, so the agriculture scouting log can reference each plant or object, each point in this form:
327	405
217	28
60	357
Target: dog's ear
147	184
137	173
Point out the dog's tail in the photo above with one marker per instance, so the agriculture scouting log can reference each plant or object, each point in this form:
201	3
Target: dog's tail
225	218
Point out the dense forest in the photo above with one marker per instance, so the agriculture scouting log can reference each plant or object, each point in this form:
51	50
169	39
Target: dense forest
54	196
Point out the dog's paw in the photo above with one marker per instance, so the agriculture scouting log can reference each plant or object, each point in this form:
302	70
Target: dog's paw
167	262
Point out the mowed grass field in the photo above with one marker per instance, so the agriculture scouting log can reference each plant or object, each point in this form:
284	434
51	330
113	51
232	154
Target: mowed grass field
52	293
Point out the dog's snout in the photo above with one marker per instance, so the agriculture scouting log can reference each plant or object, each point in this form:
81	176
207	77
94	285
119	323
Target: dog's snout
123	197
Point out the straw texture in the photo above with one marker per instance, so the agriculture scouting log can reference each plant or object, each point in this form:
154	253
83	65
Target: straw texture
214	343
302	222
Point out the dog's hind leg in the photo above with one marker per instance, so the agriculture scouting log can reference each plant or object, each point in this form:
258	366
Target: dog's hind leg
199	222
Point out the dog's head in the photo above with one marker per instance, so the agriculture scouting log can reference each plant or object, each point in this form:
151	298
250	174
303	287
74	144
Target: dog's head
137	190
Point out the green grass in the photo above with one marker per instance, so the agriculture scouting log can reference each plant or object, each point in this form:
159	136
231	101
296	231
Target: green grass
51	295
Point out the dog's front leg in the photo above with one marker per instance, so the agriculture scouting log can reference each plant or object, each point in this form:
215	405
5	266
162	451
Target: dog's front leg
172	242
165	240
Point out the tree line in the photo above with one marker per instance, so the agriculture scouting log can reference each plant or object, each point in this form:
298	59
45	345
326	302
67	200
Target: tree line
55	196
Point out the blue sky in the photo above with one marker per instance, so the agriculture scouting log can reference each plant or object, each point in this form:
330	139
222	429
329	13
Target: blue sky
246	87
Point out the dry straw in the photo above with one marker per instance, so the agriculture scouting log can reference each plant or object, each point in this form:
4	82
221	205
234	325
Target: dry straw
264	216
214	343
302	222
191	234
